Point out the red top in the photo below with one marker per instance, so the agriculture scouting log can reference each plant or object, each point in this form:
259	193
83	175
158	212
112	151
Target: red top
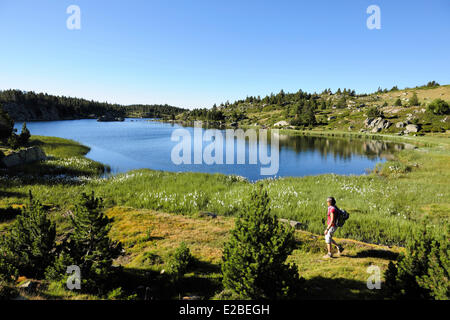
331	209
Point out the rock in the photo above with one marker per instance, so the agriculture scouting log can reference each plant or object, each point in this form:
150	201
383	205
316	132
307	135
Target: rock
375	130
368	121
23	156
295	224
207	214
331	118
400	124
412	128
281	124
378	123
350	128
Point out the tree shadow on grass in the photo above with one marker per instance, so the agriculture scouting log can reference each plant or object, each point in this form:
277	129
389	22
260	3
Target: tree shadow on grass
203	279
9	213
375	253
10	194
320	288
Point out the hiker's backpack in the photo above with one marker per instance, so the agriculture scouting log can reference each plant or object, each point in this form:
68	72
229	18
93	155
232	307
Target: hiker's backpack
342	216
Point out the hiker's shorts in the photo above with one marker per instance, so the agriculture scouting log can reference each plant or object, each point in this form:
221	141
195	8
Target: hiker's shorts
329	235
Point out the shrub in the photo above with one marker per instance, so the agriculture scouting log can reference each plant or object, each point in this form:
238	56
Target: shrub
254	258
28	248
14	141
180	261
374	112
398	102
423	272
439	106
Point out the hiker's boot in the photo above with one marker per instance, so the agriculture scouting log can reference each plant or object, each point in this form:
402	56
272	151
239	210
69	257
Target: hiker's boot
328	256
340	249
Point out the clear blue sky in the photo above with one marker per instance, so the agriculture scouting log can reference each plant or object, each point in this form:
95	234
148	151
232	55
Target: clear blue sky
196	53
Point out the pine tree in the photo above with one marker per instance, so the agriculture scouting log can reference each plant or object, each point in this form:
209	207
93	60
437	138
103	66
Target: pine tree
28	248
25	135
254	258
90	247
414	101
6	125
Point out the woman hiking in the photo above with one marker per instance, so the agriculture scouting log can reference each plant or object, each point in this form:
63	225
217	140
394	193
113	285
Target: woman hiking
331	227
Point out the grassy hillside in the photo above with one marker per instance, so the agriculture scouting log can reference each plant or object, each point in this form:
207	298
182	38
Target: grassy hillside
333	111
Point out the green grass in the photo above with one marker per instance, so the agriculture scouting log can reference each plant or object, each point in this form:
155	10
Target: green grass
385	206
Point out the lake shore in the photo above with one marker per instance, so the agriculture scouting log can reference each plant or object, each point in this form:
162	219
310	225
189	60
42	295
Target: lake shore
394	197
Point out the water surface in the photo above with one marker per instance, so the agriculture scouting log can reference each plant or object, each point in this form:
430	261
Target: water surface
141	143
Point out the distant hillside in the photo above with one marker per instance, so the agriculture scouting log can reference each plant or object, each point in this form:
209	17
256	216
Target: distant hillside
340	110
28	105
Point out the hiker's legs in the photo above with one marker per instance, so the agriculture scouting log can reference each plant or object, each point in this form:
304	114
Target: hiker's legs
329	239
329	248
335	243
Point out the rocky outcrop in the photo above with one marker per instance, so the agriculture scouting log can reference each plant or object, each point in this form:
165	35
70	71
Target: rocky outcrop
281	124
377	124
23	156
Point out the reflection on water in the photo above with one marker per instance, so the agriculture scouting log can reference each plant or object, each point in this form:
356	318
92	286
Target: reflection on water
140	143
340	147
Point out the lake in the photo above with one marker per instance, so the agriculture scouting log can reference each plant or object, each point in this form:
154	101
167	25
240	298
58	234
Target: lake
143	143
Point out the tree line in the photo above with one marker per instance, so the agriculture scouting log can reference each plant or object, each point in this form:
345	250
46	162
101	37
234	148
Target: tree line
70	107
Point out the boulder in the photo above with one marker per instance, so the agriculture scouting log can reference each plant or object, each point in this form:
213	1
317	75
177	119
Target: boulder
281	124
400	124
375	130
412	128
368	121
295	224
378	123
23	156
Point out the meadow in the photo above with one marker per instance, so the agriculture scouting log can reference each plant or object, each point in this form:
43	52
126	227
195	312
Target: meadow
385	205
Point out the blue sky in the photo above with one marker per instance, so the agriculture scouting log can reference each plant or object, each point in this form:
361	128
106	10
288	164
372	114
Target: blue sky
196	53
